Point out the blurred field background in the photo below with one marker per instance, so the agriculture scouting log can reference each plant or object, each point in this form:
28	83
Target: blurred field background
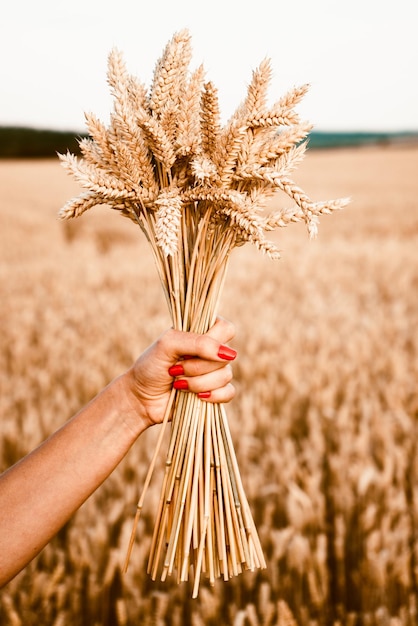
324	421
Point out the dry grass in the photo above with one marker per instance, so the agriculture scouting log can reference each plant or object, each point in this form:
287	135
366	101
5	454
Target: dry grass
324	423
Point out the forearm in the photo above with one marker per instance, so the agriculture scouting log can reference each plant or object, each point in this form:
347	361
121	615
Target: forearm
40	493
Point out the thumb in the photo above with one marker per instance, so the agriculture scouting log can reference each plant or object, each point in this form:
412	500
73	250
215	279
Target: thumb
209	346
222	330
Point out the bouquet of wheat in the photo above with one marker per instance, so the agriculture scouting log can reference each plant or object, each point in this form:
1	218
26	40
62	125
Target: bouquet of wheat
197	189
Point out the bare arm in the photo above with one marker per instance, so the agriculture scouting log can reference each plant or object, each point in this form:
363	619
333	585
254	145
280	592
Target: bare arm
42	491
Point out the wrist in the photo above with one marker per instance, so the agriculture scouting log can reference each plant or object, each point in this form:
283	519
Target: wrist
128	405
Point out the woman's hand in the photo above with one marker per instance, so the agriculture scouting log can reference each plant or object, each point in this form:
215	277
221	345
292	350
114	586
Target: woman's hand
41	492
187	361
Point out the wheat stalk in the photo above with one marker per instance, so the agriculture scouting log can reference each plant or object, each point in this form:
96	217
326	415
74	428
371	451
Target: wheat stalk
197	190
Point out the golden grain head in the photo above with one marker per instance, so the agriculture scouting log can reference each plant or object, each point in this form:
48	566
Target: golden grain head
173	136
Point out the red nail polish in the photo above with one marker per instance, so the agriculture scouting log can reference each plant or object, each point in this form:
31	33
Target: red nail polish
181	384
176	370
204	395
227	353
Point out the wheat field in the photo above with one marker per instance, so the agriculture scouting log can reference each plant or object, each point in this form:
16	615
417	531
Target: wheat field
324	421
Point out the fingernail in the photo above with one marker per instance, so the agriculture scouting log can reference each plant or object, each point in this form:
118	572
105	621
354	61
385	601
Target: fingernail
227	353
181	384
176	370
204	395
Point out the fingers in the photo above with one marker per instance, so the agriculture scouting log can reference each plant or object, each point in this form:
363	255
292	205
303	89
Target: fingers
210	346
224	394
214	385
190	366
209	375
222	330
209	381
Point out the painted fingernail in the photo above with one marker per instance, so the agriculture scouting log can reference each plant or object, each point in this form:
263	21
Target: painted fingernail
227	353
176	370
181	384
204	395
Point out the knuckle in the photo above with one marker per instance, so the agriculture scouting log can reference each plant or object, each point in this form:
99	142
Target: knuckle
228	329
201	345
231	328
167	338
162	341
228	375
232	391
226	394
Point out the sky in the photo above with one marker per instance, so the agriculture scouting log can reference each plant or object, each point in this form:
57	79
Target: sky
359	56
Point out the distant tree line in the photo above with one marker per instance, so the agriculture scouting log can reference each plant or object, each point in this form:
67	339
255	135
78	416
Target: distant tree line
16	142
21	142
321	139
